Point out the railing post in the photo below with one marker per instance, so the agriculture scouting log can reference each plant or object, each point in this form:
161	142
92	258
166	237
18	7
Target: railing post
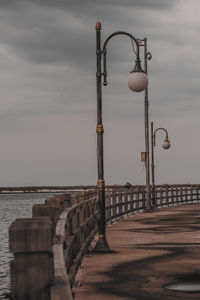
166	193
108	204
155	196
191	194
131	200
120	212
186	194
30	241
125	201
74	198
137	196
161	197
197	189
143	198
172	195
177	200
114	204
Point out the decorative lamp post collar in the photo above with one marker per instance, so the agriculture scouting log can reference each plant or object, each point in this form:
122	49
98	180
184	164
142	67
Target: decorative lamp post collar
98	26
137	67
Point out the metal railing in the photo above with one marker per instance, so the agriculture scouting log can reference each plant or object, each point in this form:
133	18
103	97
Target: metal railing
170	195
121	201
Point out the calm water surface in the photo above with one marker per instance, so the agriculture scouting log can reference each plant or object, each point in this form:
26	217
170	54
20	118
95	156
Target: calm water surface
12	207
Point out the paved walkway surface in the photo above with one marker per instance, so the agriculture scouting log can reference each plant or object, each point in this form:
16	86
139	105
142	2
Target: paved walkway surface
152	250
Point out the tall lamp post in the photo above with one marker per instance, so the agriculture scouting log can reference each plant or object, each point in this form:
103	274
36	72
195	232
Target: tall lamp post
137	82
166	145
147	56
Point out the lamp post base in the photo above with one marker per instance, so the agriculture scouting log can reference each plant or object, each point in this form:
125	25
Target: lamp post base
102	245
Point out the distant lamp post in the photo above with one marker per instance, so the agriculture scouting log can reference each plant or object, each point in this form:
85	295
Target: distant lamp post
137	82
166	145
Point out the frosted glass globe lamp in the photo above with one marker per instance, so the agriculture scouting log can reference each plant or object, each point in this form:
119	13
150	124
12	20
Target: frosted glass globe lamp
137	79
166	143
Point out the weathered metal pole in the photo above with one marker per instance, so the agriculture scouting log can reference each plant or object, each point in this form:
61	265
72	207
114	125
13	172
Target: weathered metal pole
101	245
134	85
153	143
146	121
152	165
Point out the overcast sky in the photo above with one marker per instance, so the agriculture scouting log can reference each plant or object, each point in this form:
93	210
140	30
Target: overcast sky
48	91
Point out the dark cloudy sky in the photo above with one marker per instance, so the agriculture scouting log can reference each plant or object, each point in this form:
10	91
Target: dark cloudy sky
48	90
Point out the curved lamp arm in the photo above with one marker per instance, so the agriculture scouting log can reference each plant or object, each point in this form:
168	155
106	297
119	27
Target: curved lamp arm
154	134
139	69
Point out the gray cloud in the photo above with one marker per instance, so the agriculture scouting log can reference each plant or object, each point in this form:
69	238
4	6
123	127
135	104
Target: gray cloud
43	34
11	5
78	5
48	89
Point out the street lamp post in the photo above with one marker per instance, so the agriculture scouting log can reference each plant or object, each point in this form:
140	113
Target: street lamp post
137	81
166	145
147	56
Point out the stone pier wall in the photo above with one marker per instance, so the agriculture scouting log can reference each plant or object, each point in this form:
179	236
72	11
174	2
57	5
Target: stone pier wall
38	270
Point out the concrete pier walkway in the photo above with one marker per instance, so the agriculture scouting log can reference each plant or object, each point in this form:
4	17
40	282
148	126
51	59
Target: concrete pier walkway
152	250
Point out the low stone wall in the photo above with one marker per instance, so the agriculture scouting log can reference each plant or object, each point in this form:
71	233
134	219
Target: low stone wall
51	245
32	268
